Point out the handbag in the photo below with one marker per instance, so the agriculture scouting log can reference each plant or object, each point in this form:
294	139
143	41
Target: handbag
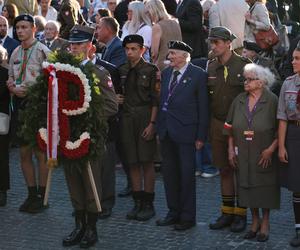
4	123
266	39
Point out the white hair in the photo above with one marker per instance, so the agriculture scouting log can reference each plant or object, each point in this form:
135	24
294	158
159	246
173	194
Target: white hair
263	74
206	5
55	23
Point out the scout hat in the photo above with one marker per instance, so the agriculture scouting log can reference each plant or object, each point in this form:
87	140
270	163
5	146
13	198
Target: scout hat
221	32
133	39
24	17
250	45
81	34
179	45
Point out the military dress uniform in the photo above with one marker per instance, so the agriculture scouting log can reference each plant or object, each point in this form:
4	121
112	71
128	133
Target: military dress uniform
78	182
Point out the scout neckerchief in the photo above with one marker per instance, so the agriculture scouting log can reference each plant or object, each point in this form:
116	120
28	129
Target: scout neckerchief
172	86
24	60
249	134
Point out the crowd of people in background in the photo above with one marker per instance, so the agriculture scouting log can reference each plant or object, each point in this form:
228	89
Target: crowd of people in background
194	91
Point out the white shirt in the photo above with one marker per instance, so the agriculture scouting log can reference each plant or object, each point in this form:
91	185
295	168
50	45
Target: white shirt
51	14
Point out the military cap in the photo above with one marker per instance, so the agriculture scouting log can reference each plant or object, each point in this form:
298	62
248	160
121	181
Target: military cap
221	32
250	45
133	39
179	45
81	34
24	17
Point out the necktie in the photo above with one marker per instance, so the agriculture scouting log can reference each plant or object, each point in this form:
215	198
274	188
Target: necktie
103	53
48	44
173	83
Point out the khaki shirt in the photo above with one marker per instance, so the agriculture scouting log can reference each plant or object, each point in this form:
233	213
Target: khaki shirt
141	84
225	82
37	54
288	108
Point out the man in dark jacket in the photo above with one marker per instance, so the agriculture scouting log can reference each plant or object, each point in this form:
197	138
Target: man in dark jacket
189	14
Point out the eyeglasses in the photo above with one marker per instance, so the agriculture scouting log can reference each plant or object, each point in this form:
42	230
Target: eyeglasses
250	79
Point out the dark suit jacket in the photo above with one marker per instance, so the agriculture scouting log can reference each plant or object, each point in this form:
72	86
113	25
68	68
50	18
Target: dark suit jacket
189	15
115	53
58	44
10	44
186	118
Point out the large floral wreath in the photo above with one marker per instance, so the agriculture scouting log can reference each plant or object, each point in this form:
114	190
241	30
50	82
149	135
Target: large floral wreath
72	109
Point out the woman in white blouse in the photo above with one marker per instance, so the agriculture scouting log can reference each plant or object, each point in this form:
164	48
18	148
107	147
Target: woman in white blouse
47	11
138	23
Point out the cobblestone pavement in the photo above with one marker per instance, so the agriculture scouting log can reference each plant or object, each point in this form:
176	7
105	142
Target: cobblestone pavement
45	230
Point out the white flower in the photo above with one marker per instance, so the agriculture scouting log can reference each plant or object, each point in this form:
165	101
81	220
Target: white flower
76	144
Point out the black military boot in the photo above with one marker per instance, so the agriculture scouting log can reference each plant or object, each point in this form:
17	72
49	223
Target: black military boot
137	198
295	242
147	211
224	220
31	198
239	223
77	234
90	236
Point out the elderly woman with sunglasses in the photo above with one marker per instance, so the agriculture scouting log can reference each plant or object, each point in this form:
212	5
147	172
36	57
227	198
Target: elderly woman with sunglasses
252	129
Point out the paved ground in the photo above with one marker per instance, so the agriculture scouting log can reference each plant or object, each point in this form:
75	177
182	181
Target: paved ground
45	231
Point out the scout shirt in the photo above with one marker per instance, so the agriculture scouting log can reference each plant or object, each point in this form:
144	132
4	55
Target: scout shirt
225	82
289	99
140	84
24	69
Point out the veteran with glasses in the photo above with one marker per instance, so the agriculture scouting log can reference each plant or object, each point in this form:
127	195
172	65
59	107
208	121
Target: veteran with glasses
252	142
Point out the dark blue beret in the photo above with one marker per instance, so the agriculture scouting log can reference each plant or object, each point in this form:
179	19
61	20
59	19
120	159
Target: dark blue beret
179	45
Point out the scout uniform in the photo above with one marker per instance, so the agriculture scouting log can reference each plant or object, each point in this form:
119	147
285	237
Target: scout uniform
25	66
289	111
225	82
78	181
141	94
140	84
